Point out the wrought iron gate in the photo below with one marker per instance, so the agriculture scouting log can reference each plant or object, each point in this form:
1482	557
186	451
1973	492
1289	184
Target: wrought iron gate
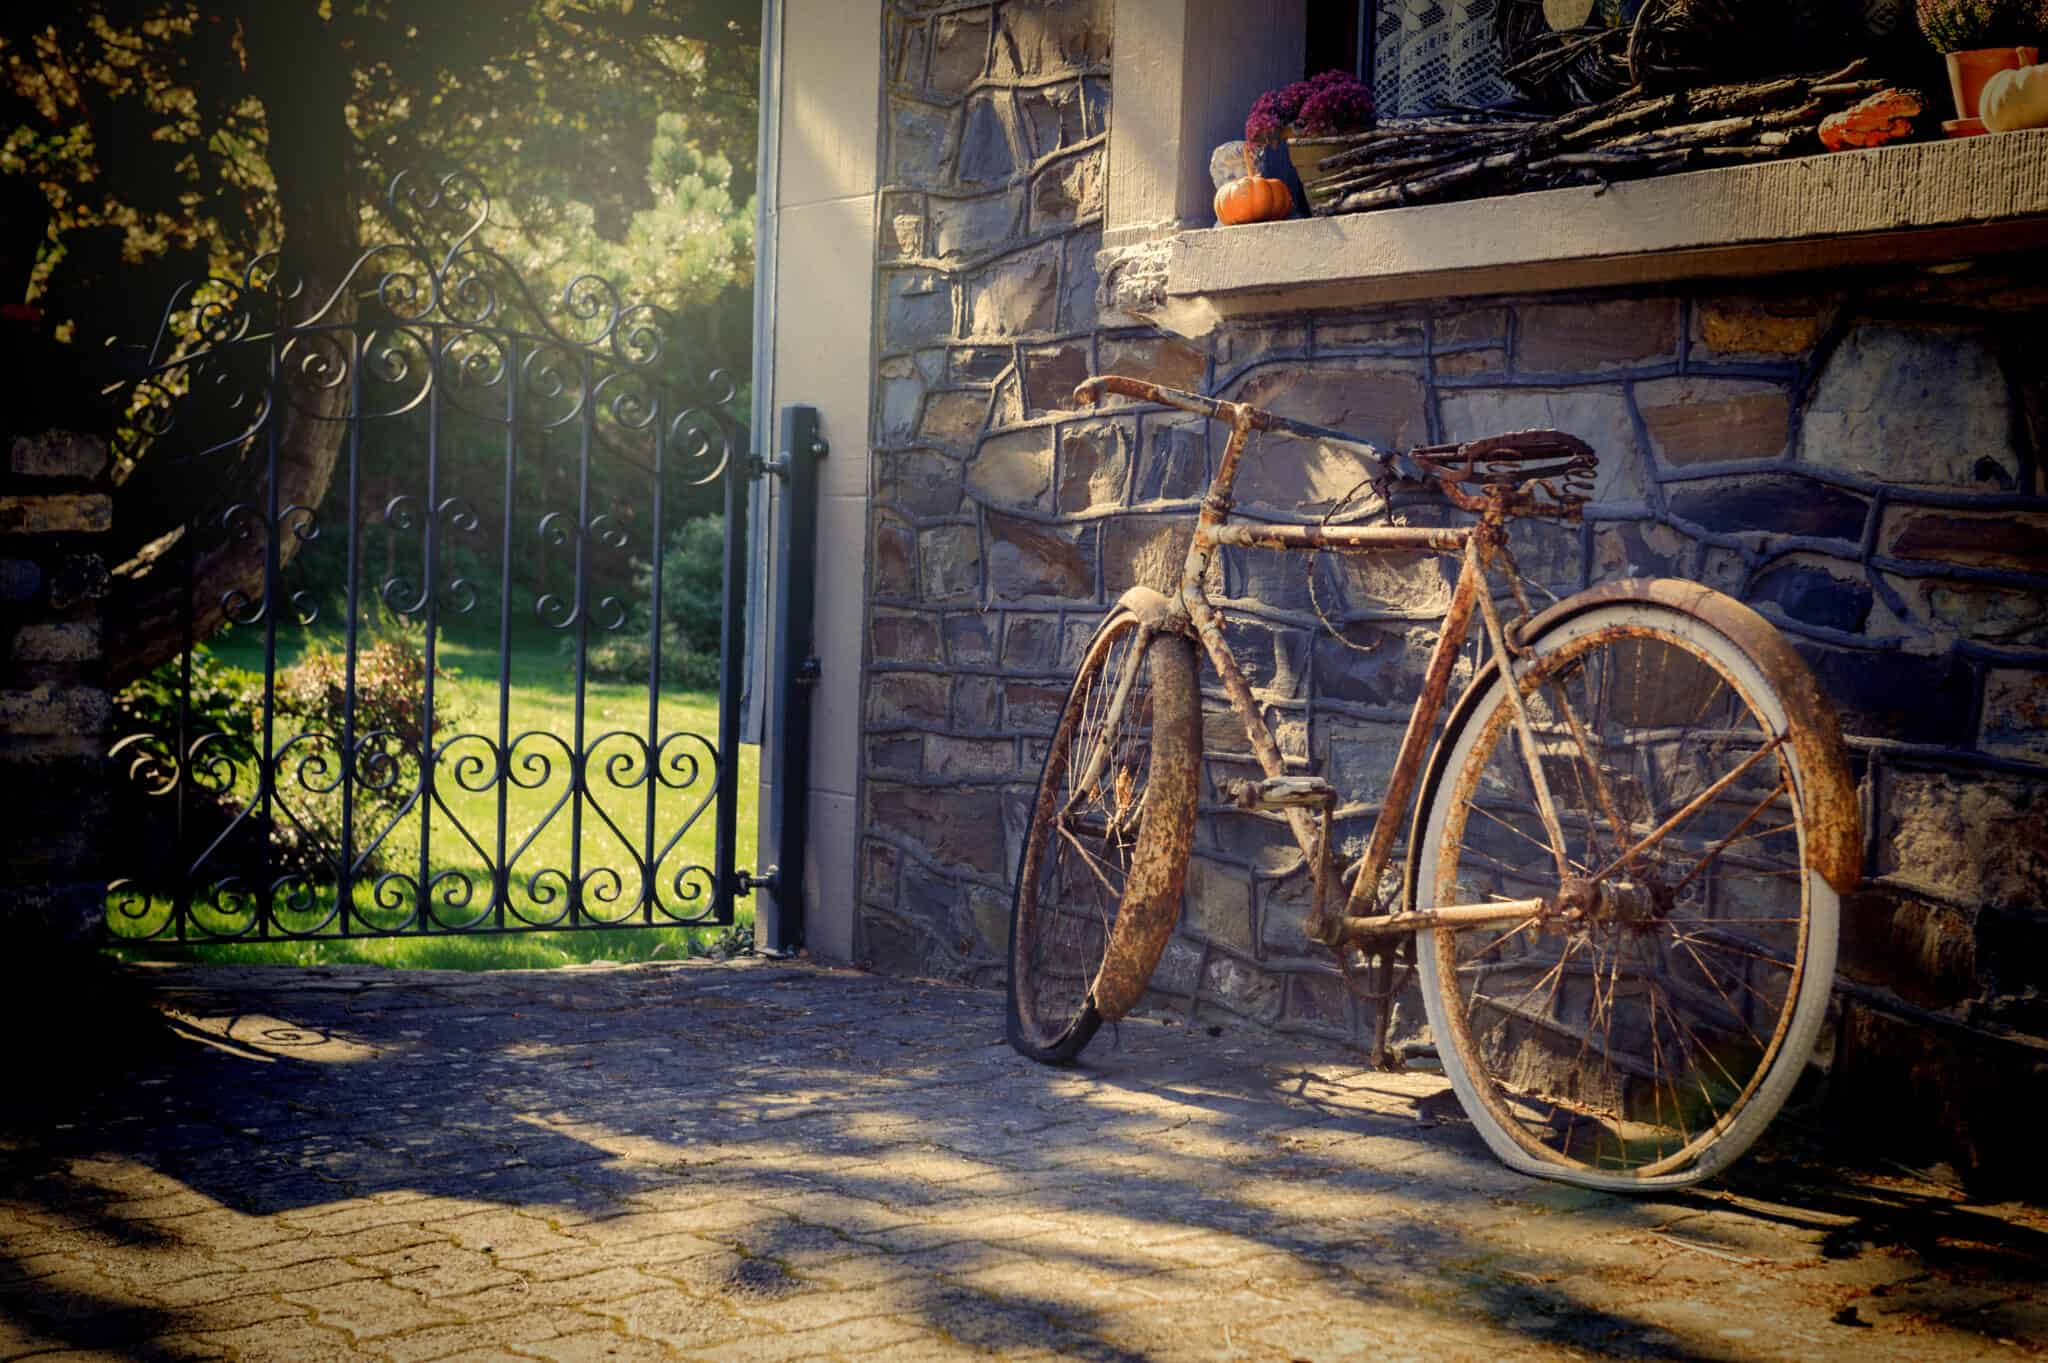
455	709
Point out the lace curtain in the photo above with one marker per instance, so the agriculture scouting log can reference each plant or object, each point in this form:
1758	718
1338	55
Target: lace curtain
1428	54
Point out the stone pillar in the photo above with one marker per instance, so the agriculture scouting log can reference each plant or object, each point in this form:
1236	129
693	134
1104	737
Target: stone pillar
55	707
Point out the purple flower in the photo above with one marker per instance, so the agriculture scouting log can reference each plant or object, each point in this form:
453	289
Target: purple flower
1333	101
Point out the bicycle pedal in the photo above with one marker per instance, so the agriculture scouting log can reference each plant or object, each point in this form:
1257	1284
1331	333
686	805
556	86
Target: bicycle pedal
1283	792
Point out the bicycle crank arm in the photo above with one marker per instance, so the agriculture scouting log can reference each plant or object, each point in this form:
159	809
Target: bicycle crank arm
1353	930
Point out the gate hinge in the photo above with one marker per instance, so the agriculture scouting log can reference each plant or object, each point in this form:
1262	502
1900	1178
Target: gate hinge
745	882
808	672
760	466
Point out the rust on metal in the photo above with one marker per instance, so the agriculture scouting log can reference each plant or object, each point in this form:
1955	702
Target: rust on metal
1834	819
1360	537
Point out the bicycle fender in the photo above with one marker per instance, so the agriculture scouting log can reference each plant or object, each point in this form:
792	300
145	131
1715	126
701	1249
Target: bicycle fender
1833	817
1154	609
1166	830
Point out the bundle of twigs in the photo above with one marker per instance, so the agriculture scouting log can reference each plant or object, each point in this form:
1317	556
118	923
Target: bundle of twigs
1634	134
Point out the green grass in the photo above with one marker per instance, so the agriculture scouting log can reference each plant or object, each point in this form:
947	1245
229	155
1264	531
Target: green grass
541	703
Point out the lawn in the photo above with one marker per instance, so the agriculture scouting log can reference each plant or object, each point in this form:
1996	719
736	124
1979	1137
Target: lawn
601	839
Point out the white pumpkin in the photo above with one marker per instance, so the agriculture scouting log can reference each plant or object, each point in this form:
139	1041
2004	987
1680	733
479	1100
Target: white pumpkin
2015	99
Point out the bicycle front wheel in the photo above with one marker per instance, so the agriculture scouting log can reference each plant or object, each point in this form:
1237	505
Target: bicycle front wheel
1647	1042
1105	856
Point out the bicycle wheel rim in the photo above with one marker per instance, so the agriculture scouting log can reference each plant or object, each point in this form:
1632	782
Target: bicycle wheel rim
1722	1044
1065	906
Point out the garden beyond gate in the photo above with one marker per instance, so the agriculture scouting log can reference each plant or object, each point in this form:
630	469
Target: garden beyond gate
461	572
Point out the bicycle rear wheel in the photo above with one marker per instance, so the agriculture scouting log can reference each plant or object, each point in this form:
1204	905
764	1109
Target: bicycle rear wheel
1648	1043
1105	856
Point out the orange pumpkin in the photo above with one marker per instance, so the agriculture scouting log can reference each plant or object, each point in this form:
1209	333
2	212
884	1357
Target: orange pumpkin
1253	198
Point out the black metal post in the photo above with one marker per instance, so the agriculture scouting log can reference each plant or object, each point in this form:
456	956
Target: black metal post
786	752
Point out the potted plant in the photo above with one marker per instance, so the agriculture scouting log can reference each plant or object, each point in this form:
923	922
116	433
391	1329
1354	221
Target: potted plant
1981	38
1311	117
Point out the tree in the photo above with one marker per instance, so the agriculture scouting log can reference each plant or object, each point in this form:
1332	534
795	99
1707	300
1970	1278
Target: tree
151	141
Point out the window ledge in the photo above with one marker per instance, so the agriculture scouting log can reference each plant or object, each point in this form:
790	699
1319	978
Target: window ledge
1928	201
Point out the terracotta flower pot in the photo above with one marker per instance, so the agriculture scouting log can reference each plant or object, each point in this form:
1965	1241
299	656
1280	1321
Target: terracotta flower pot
1306	152
1967	72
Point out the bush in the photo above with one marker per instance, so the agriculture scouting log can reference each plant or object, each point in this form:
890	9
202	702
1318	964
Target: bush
1960	25
692	600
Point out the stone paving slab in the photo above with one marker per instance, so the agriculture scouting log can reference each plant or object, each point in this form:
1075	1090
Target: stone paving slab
780	1162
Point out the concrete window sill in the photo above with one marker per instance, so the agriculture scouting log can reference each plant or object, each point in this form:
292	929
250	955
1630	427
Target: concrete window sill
1926	202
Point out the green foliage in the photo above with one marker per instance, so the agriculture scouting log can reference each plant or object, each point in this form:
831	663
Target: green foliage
692	598
1959	25
225	701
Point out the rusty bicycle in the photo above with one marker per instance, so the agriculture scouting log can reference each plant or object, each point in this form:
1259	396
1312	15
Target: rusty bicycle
1627	847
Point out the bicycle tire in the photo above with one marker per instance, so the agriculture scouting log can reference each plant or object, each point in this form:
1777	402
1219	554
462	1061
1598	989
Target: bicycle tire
1648	1045
1100	874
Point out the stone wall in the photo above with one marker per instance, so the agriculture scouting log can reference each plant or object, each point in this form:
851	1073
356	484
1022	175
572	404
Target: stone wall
54	707
1860	457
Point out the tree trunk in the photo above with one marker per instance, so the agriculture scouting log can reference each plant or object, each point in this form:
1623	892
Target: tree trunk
301	74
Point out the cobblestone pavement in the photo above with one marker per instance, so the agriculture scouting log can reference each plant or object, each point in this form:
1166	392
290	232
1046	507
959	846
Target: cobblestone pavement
769	1162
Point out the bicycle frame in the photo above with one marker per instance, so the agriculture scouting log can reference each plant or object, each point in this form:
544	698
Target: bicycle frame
1478	547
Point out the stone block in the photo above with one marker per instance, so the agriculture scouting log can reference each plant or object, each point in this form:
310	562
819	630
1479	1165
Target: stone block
54	709
1775	504
953	417
991	915
2015	722
1241	988
1016	295
1470	327
2006	539
20	580
1637	549
1078	310
1179	972
1371	664
970	637
977	704
1274	661
1813	594
85	513
904	637
949	562
1698	420
907	47
1467	364
1284	906
1924	952
1970	839
907	700
1219	903
1173	463
959	52
1417	584
58	454
1387	406
1401	331
920	483
991	140
78	578
1586	337
879	864
1320	1003
901	754
1262	841
896	568
903	226
1077	630
967	228
1982	610
969	758
1031	643
902	397
1922	405
1914	698
1050	376
74	642
1067	191
1095	466
917	308
922	141
1242	344
1757	328
1042	37
1358	756
1033	706
1013	470
893	946
1143	551
1055	116
1597	415
951	825
1027	560
1164	360
980	364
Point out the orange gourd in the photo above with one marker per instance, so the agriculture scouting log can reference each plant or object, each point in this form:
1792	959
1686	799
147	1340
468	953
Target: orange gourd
1252	198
